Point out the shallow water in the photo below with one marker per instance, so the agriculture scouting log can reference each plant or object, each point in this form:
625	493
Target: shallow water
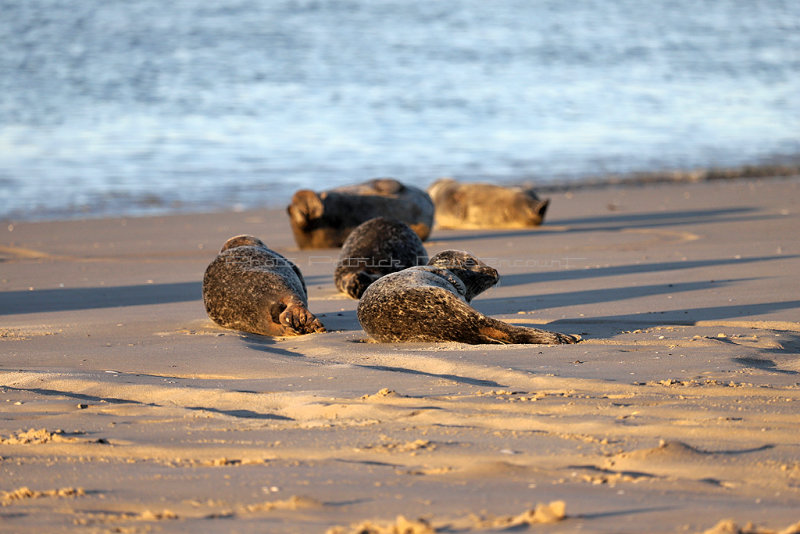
135	107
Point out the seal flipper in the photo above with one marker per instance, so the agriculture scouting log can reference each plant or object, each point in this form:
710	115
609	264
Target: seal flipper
354	284
421	229
296	319
496	331
494	335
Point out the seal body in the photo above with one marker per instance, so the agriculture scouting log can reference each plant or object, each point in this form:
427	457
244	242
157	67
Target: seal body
324	220
374	249
431	303
251	288
473	206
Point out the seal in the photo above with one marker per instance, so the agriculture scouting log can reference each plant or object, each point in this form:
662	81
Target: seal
374	249
324	220
431	303
251	288
475	206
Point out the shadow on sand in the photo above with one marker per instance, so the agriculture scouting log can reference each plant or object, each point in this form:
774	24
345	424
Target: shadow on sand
495	306
86	298
621	270
610	222
686	317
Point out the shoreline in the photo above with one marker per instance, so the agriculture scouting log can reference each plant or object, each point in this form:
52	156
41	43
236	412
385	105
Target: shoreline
677	176
770	168
126	408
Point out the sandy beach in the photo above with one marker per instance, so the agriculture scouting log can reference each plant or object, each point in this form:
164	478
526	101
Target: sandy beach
125	409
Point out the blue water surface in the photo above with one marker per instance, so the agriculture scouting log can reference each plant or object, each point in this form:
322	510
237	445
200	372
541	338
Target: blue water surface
127	107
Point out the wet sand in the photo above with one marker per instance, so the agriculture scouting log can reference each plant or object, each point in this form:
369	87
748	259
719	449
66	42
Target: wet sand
124	409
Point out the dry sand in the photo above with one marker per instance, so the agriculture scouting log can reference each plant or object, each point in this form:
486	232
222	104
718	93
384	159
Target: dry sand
124	409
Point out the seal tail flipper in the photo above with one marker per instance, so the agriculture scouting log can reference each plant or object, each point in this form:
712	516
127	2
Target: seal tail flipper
494	335
496	331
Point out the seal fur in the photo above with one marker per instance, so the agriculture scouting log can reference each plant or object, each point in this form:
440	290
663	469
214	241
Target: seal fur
374	249
431	303
251	288
475	206
325	219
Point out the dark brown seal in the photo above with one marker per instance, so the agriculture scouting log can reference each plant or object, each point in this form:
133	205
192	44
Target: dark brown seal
251	288
472	206
376	248
431	303
324	220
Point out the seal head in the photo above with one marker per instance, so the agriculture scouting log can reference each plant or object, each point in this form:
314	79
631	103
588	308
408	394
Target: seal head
475	275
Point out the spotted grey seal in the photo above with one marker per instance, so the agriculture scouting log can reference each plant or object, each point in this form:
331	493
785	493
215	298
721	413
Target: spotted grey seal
431	303
376	248
472	206
324	220
251	288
